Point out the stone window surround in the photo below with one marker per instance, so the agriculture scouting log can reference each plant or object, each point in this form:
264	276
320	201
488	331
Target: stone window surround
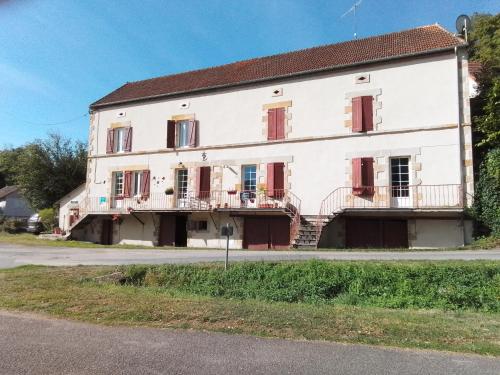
287	105
377	106
217	166
381	164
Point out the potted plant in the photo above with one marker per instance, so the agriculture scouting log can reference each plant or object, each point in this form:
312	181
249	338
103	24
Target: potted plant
169	191
232	192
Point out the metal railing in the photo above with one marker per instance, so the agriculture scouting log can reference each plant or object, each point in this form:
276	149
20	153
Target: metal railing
444	196
202	201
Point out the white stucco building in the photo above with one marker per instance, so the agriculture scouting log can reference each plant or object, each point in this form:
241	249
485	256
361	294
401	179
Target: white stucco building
361	143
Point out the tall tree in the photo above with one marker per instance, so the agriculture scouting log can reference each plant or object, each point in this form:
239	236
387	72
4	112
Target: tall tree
485	48
48	169
8	163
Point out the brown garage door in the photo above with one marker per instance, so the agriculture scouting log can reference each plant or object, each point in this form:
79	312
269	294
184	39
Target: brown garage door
378	233
264	232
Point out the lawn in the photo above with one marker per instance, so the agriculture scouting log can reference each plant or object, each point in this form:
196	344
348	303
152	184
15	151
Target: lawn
27	239
72	292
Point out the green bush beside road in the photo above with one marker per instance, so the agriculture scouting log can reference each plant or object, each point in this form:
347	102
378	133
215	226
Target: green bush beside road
444	285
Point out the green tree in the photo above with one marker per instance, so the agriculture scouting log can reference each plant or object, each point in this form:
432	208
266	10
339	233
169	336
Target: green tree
48	169
8	163
485	48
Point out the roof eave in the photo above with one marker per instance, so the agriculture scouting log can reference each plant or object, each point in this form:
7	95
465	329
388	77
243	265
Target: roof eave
94	106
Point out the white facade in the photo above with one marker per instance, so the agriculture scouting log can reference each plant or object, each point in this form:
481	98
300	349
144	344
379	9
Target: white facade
420	112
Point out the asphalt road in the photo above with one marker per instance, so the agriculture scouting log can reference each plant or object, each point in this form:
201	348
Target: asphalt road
17	255
33	344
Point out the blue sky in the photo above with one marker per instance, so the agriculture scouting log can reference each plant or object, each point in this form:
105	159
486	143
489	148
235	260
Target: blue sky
58	56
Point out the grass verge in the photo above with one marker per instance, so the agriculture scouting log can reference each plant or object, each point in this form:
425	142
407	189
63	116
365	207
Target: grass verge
27	239
63	292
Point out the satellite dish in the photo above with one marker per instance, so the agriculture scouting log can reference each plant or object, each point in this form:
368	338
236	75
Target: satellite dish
463	25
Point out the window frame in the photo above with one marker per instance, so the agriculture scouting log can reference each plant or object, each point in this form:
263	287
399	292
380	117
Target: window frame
119	140
181	192
400	188
136	183
184	125
117	183
244	179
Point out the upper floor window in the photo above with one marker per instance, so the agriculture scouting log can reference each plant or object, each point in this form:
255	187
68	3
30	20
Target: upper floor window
275	124
119	140
362	113
181	133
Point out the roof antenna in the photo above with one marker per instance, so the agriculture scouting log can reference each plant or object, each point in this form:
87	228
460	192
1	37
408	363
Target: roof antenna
353	10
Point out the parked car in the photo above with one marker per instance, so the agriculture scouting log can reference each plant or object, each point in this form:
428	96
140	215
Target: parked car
34	224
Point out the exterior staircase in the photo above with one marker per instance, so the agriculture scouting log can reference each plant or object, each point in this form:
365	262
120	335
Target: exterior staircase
309	231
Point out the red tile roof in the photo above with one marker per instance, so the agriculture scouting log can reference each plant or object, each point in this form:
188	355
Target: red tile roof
418	41
7	190
475	68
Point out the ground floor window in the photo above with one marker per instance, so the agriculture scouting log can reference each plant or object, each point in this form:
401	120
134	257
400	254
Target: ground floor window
198	225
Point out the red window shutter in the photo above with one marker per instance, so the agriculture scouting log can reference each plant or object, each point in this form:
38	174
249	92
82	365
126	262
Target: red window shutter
357	114
367	104
271	124
127	140
127	184
171	134
110	141
197	182
357	180
280	123
279	180
368	176
192	133
145	183
270	179
204	183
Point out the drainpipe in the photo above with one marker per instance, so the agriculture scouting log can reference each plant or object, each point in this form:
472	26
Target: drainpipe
459	134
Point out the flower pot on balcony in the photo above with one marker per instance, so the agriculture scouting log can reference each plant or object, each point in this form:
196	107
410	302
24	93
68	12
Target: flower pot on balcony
169	191
226	205
232	192
218	205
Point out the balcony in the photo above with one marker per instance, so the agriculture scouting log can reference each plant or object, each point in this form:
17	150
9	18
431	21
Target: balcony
413	197
192	201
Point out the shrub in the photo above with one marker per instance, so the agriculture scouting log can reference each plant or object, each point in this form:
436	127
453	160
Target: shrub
48	218
455	286
14	225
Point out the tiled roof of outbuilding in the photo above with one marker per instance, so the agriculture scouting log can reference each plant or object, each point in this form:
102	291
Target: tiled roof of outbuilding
417	41
6	190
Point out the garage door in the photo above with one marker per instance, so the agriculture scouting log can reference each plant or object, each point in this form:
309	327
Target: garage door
378	233
264	232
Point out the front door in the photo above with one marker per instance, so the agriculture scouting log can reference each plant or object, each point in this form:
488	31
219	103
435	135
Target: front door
167	230
107	232
173	230
400	182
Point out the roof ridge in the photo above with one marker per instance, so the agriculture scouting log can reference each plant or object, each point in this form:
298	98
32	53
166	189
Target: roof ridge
288	52
417	41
